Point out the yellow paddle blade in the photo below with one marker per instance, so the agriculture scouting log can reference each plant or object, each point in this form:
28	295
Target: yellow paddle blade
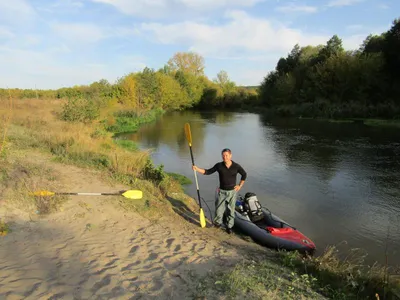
42	193
188	133
202	219
133	194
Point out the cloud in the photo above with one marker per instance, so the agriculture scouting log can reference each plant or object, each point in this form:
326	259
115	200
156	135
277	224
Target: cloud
338	3
252	76
89	32
46	69
5	33
67	3
383	6
241	33
355	27
16	11
353	42
173	8
290	8
79	32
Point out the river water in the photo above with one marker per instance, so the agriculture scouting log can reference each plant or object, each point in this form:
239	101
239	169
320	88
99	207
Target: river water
338	183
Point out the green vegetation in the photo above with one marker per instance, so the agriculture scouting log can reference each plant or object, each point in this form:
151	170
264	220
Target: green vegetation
323	81
180	84
130	121
127	144
183	180
77	127
326	81
289	275
4	228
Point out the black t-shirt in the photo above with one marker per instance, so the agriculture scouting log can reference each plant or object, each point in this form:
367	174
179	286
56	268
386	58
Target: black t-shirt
227	176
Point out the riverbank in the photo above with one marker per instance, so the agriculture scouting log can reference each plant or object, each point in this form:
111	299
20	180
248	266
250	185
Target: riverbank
288	112
111	246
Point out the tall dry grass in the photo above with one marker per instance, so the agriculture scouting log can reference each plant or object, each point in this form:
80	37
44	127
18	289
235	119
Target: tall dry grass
6	111
36	124
76	142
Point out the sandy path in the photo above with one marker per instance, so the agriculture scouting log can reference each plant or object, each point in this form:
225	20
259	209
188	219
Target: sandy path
92	250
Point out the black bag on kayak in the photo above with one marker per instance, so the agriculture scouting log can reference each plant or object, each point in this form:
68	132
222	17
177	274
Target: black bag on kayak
253	207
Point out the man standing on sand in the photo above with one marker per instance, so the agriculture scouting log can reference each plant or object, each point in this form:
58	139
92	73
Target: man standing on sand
227	170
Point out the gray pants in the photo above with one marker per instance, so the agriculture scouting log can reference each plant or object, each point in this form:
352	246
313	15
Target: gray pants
226	201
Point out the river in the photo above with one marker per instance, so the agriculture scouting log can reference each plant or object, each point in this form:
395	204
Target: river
338	183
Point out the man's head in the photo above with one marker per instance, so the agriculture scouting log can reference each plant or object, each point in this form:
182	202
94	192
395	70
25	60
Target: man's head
226	155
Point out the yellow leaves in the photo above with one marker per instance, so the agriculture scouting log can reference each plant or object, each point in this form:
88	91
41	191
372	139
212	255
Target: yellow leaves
188	62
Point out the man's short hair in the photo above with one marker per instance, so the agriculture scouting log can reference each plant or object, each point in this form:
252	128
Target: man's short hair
226	150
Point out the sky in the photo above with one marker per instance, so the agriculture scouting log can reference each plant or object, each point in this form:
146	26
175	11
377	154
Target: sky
49	44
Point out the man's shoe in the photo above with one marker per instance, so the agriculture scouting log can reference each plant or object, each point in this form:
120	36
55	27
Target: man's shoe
216	225
229	230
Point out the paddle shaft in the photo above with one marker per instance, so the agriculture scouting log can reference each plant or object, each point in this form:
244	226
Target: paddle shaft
90	194
195	175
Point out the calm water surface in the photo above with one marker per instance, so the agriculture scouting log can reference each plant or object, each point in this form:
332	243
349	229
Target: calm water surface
336	182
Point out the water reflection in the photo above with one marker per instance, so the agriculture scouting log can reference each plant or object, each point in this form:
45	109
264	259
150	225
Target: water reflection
355	169
334	181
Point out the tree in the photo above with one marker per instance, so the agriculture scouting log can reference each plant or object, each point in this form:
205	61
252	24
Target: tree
373	44
392	49
188	62
224	82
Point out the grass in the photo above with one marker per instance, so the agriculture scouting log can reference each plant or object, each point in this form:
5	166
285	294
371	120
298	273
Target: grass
4	228
127	144
380	122
130	120
20	178
289	275
365	121
6	110
35	125
183	180
86	144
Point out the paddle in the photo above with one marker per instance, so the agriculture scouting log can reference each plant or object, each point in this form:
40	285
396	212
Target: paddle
130	194
189	139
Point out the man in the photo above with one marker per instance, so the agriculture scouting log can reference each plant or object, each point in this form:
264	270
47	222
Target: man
227	170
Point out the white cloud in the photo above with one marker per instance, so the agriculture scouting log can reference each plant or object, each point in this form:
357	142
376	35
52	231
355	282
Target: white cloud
169	8
44	69
16	11
251	77
240	34
5	33
68	3
338	3
79	32
296	8
89	32
355	27
353	42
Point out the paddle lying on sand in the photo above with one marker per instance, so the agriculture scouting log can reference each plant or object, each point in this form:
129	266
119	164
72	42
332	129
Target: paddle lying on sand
130	194
189	139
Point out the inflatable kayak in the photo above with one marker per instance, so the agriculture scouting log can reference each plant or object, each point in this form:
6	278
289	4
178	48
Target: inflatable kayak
267	229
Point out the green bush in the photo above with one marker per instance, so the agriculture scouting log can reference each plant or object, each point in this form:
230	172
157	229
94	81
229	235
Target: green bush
80	110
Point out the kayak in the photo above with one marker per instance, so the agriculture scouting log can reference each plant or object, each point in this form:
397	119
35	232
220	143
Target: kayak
267	229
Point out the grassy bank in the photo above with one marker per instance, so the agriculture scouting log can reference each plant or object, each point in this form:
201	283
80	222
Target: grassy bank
36	125
39	125
288	275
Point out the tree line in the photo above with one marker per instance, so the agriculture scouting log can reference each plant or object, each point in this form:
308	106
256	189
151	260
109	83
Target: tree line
327	81
179	84
312	81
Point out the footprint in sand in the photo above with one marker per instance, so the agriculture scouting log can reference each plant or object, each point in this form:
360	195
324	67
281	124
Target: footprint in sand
100	284
169	242
134	249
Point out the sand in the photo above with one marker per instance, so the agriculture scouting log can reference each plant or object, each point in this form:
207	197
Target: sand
94	250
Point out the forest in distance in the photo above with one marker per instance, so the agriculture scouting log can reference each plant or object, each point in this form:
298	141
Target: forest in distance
323	81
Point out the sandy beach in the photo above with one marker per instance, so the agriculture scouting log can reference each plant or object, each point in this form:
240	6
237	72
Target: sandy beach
92	249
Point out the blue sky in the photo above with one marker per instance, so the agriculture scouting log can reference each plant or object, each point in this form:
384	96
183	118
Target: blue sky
51	44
